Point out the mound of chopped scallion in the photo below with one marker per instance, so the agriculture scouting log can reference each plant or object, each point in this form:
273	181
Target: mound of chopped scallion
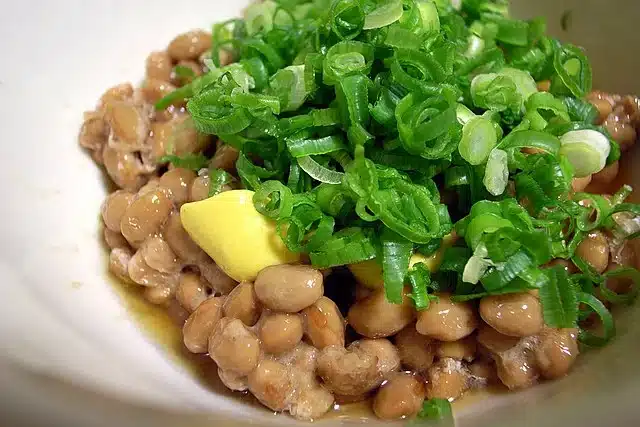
353	118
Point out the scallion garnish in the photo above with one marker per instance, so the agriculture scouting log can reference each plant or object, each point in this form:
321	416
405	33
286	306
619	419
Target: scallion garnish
437	409
606	319
194	162
587	150
355	120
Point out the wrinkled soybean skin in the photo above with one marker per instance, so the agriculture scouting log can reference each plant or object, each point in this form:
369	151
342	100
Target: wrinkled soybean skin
114	239
145	215
594	249
124	168
159	66
242	304
400	397
445	320
516	315
234	347
280	332
447	379
494	341
189	45
153	90
303	357
119	259
556	352
162	294
416	350
141	273
116	93
514	362
324	324
271	385
129	126
178	181
159	256
289	288
375	317
608	174
201	323
232	380
178	239
349	373
114	207
516	370
312	400
464	349
386	354
192	291
483	372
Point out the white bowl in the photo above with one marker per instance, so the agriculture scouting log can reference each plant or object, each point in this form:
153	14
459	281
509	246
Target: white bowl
70	352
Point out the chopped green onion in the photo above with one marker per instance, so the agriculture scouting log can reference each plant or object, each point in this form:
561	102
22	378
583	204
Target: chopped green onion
542	107
495	92
346	18
499	278
365	126
512	32
608	325
428	127
396	252
419	277
289	85
218	178
476	266
531	139
631	275
496	175
559	299
525	84
319	172
587	150
478	140
193	162
348	246
385	13
573	71
273	200
580	110
484	223
312	147
508	89
464	114
429	15
596	211
184	72
436	409
347	58
353	102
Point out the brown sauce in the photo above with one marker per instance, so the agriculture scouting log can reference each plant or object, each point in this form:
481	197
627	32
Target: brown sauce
164	330
158	325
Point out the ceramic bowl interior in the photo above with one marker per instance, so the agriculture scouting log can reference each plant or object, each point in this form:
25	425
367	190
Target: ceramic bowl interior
70	351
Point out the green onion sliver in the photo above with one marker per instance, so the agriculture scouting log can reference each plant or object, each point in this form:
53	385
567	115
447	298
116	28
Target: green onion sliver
587	150
631	275
319	172
608	325
437	409
385	14
273	199
478	139
496	175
